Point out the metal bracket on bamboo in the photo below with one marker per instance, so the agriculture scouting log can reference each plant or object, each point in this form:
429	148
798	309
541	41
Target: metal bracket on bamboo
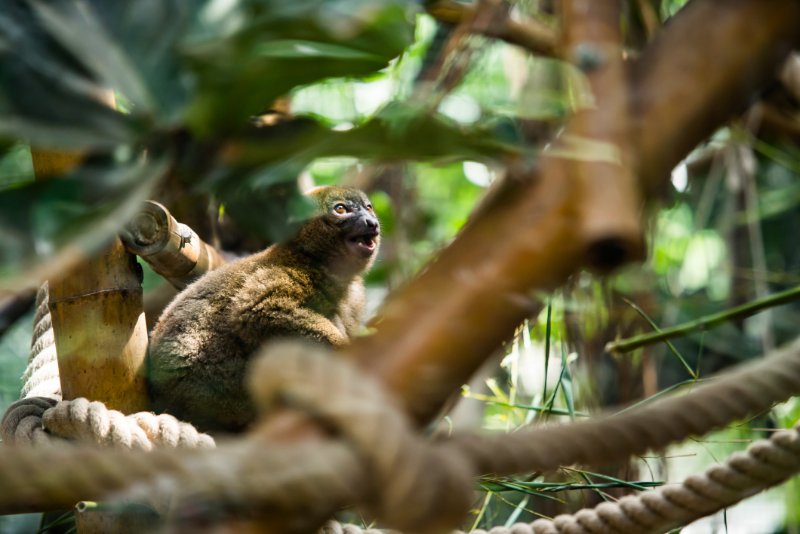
171	248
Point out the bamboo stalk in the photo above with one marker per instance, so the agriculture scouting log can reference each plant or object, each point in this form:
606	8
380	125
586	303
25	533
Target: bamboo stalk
99	328
98	322
171	248
706	322
100	331
597	148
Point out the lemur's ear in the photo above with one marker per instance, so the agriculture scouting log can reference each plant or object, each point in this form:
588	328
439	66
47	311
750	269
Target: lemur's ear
314	190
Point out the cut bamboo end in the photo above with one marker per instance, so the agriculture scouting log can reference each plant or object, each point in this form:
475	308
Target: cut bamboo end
597	148
171	248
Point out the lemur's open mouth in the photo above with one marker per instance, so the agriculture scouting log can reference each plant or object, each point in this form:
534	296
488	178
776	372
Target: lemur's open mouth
365	243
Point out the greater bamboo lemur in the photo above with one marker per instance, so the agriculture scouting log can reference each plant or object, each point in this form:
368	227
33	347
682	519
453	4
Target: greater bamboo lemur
309	287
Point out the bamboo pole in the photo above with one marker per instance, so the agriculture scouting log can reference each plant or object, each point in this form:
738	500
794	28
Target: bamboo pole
171	248
100	331
98	322
597	148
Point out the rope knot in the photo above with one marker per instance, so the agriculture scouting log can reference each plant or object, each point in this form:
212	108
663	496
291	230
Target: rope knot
22	422
40	420
416	485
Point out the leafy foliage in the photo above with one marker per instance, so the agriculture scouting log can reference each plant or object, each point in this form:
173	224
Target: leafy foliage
189	75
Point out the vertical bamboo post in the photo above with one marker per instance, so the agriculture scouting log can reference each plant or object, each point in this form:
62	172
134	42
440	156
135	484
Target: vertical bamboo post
596	145
98	317
100	331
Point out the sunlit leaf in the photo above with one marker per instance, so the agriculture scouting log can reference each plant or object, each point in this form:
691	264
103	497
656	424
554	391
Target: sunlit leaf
46	95
264	165
299	49
78	30
277	46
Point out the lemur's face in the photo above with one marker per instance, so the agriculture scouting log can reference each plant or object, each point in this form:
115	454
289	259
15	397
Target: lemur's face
351	211
348	217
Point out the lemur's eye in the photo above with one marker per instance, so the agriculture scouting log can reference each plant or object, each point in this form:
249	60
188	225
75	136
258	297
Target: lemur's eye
341	209
369	207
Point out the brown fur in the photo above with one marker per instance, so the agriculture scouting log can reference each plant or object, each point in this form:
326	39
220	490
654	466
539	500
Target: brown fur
308	287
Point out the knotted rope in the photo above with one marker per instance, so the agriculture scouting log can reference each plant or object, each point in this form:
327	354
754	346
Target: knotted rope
22	422
41	416
411	483
37	420
424	489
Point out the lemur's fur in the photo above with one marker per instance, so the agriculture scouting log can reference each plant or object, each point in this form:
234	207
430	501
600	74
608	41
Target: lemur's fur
309	287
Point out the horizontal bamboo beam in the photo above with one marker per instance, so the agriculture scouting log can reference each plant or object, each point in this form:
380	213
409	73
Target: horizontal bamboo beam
171	248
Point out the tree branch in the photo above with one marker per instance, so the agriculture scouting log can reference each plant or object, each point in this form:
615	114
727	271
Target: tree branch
529	34
696	76
434	333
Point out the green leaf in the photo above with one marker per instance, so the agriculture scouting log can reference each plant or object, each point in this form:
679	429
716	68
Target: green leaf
151	32
267	48
76	27
16	167
267	161
45	225
46	95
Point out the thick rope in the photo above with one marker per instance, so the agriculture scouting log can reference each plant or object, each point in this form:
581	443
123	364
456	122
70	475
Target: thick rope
37	420
41	378
372	466
765	463
414	485
41	416
22	422
752	388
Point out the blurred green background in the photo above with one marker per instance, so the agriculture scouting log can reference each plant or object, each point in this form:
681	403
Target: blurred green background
190	75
